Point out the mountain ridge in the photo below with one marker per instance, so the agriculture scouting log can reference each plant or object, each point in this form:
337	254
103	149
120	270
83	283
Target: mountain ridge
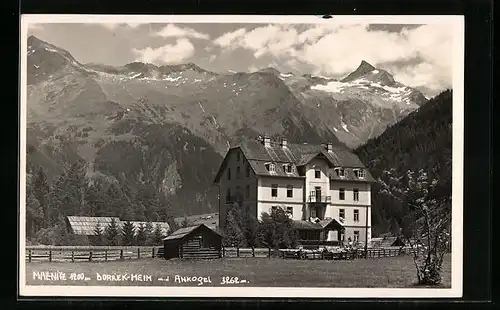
107	116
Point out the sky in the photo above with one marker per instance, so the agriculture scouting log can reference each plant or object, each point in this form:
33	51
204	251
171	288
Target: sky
419	56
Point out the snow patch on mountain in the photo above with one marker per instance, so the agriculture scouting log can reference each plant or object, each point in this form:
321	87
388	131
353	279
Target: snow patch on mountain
170	79
331	87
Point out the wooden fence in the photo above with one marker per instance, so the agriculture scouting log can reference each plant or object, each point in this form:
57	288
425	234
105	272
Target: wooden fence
86	253
314	254
112	253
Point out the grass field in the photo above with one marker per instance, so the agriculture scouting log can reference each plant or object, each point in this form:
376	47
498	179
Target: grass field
376	272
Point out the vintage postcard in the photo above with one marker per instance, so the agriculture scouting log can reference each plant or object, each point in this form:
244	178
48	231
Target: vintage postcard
252	156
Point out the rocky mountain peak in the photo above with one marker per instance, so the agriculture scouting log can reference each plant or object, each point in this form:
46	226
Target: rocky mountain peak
363	68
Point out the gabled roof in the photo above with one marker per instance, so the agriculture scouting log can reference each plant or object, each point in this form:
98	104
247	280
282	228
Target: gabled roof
185	231
258	155
86	225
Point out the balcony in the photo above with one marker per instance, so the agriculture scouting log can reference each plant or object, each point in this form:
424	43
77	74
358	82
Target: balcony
313	198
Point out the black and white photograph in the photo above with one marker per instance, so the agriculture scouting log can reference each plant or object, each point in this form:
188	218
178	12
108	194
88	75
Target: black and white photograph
230	156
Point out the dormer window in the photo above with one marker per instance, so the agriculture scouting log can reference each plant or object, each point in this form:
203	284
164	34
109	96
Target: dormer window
271	167
340	172
360	173
288	168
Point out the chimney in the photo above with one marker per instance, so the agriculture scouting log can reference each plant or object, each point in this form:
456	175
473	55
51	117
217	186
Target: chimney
266	141
284	143
329	147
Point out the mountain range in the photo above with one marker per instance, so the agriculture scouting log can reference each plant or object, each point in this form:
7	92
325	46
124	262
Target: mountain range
171	125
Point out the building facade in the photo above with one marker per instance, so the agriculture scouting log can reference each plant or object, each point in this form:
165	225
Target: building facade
325	189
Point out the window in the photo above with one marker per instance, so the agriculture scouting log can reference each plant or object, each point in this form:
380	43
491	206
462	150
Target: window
288	168
317	173
229	173
289	211
237	156
228	195
274	208
271	168
355	194
274	190
238	172
342	214
340	172
341	194
248	170
247	191
359	173
289	191
356	215
356	235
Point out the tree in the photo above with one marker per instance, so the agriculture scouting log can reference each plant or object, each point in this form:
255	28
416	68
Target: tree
128	234
266	230
112	233
34	212
395	230
141	235
185	222
41	193
158	235
98	233
233	235
429	231
276	230
149	233
284	232
166	214
251	230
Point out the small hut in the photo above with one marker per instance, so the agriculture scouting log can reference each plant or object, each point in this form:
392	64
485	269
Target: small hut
194	242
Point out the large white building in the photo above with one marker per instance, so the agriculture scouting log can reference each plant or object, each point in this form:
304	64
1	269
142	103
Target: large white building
325	189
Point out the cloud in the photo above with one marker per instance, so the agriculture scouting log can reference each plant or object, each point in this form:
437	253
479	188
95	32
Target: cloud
166	54
177	32
212	58
274	39
335	49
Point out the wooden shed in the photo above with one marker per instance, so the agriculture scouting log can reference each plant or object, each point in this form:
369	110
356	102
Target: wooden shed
194	242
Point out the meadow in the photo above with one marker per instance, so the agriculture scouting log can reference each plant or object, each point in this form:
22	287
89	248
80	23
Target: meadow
394	272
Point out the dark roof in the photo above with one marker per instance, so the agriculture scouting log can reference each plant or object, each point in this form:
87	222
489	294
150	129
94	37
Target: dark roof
307	225
183	232
320	225
298	155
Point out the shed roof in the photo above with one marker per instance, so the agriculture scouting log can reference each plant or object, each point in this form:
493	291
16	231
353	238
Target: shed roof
184	231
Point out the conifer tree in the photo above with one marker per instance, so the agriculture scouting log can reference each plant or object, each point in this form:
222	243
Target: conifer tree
158	235
112	233
141	235
233	235
98	234
128	234
149	233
